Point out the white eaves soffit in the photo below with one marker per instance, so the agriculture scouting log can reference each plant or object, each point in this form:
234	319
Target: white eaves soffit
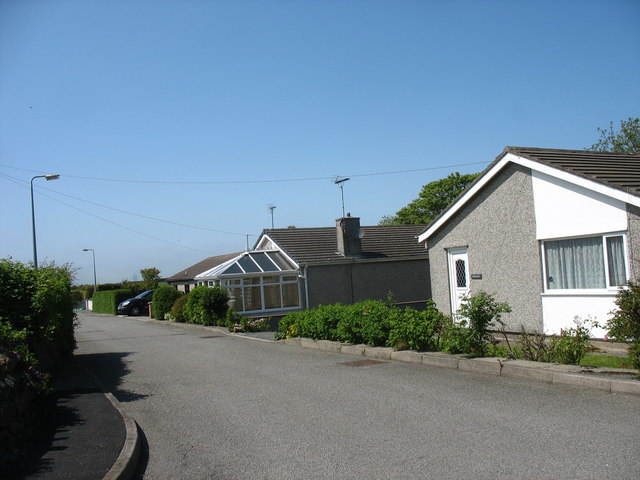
535	166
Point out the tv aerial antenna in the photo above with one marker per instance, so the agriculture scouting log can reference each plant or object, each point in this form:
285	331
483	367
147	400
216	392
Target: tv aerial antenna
271	207
340	181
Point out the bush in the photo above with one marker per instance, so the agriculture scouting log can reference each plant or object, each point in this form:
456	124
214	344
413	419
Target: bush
207	306
481	312
416	330
36	331
163	299
625	323
571	345
107	301
177	310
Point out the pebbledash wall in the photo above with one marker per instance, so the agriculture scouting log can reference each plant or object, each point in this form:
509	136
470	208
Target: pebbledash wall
498	228
358	280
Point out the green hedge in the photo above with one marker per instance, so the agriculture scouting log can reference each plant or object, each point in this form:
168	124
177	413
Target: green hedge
163	299
107	301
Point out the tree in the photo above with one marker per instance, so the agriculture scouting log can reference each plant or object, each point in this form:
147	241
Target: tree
432	199
626	140
150	278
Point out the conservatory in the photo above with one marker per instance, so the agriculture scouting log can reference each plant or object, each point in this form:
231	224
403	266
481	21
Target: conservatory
257	281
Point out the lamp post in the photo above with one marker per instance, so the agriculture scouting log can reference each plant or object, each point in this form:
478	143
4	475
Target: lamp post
33	215
95	283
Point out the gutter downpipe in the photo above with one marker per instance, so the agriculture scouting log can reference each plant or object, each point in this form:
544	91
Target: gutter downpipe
306	287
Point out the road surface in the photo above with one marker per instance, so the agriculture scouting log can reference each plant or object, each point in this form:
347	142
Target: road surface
215	406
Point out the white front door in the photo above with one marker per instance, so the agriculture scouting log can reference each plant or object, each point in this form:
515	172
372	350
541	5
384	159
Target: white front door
458	276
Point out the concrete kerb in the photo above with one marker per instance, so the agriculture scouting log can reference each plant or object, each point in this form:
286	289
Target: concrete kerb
550	373
125	465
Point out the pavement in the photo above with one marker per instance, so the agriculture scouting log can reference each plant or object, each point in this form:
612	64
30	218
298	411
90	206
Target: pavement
90	436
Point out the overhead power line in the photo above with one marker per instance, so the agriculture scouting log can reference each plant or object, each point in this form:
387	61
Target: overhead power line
236	182
93	215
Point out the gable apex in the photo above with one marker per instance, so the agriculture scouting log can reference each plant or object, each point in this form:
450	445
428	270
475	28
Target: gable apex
615	175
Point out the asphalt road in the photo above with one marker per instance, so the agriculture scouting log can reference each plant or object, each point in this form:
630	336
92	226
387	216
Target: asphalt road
214	406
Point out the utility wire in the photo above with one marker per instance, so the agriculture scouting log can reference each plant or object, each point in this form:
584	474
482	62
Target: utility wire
109	221
236	182
16	180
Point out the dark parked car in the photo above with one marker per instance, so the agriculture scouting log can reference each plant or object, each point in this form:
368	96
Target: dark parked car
136	305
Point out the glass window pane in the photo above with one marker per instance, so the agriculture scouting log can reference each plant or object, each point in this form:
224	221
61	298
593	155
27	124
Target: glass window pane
252	281
265	263
290	295
233	268
252	298
616	261
248	265
232	281
290	278
235	298
280	261
272	296
461	274
271	279
575	264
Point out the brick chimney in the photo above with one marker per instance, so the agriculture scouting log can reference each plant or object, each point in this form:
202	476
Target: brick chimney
348	231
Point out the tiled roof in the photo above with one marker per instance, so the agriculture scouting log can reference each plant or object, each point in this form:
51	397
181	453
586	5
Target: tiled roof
320	245
189	273
616	170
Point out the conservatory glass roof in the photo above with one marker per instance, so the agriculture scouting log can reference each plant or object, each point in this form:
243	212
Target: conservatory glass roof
254	262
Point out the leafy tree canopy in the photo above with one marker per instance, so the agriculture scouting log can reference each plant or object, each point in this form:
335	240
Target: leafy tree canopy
433	199
625	140
150	278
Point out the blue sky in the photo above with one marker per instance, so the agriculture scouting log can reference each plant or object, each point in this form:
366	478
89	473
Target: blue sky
202	113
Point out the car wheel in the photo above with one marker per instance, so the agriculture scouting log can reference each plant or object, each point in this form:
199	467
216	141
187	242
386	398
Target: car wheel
135	311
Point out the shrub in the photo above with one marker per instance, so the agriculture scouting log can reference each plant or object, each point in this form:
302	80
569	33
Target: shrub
36	331
107	301
207	306
625	323
318	323
571	345
416	330
163	299
177	310
370	321
481	312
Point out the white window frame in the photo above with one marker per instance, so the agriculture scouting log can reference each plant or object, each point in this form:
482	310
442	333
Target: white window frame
281	282
585	291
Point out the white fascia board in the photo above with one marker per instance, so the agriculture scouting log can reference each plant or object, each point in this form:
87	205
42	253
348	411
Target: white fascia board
533	165
266	238
211	273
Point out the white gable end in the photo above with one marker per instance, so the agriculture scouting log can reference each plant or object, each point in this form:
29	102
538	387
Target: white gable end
564	209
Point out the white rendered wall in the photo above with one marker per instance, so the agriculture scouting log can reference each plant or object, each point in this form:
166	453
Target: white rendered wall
558	311
567	210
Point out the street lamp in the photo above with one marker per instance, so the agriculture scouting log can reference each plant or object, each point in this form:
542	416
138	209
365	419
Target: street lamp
95	284
33	215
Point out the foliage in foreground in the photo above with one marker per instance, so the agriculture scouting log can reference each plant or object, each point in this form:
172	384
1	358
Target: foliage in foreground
207	306
163	299
480	316
36	331
625	324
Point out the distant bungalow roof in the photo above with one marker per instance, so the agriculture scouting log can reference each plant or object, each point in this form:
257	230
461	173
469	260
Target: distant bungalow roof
190	273
320	245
